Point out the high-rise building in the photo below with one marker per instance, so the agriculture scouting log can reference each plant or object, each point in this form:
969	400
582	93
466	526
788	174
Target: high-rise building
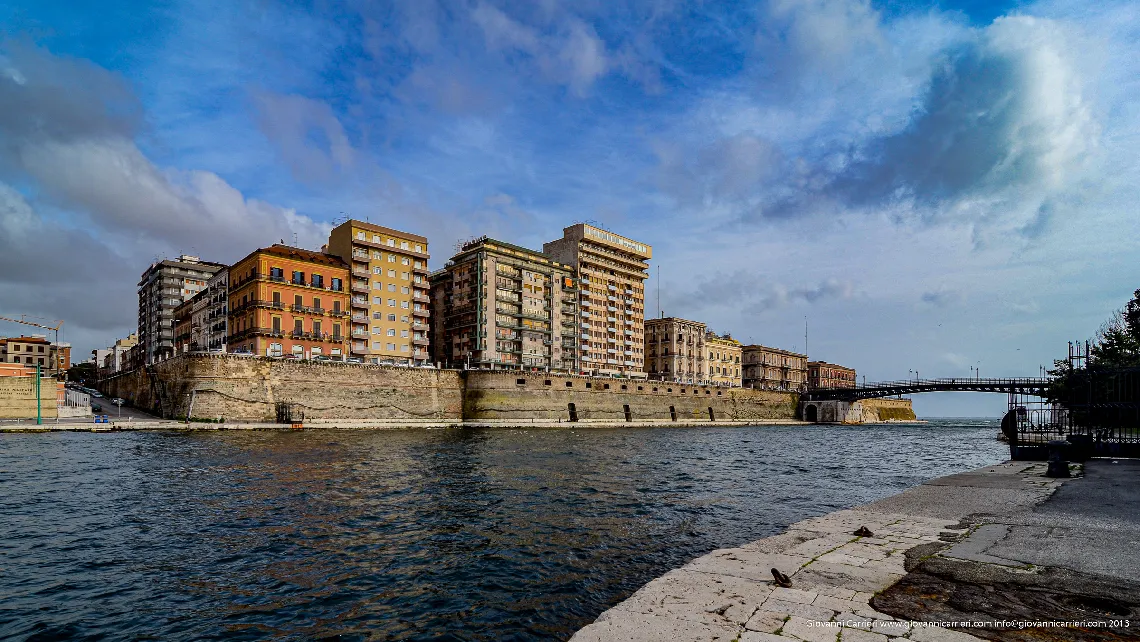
773	369
611	272
822	375
722	367
496	304
675	350
163	287
390	291
287	301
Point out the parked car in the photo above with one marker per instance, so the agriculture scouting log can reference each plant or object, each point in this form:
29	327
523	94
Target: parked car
96	394
354	360
96	408
321	357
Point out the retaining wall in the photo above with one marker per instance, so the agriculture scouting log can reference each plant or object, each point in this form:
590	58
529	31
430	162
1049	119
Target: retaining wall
18	397
248	389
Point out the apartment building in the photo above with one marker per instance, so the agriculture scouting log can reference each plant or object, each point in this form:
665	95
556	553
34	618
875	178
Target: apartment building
496	304
390	293
215	324
183	322
822	375
675	349
113	359
289	302
163	287
611	272
36	350
723	365
773	369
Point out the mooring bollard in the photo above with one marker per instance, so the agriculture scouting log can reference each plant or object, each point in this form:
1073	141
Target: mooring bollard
1058	464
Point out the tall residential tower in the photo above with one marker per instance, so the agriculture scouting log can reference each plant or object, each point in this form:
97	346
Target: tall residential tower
611	272
162	288
390	291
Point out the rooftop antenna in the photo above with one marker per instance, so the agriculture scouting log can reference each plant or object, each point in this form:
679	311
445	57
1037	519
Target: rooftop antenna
660	314
805	334
295	239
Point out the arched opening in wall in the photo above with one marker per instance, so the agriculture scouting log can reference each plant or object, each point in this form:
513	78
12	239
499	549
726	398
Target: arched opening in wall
628	414
811	413
573	411
672	413
712	417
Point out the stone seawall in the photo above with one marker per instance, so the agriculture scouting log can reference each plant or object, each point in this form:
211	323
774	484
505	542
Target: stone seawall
518	395
865	411
248	389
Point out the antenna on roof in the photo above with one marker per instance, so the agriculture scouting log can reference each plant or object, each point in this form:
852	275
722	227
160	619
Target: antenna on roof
295	244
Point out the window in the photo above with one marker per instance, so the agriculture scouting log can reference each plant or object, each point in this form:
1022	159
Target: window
404	348
337	285
276	273
298	325
418	278
298	300
391	303
419	248
391	287
391	346
376	345
404	261
377	285
404	333
318	281
277	324
404	304
392	317
404	275
377	330
403	245
404	290
336	306
277	298
403	318
377	315
392	273
391	258
336	330
298	277
391	332
391	243
360	236
375	238
378	300
317	302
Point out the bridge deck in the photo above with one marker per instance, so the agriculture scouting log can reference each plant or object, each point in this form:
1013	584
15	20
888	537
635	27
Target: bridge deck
1033	386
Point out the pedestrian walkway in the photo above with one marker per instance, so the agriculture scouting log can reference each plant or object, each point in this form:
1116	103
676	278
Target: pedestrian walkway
729	594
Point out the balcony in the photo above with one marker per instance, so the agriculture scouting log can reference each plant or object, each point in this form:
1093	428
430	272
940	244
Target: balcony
359	303
611	308
420	342
360	287
611	319
319	311
421	313
611	298
628	333
611	288
421	297
338	313
586	304
419	326
358	349
298	308
360	256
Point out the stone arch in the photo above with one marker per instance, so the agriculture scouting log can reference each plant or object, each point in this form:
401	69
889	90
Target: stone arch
811	413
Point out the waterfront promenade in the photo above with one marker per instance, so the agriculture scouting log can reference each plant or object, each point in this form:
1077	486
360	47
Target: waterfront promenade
994	544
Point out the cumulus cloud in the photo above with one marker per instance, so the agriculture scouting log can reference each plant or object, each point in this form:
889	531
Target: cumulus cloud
752	293
308	134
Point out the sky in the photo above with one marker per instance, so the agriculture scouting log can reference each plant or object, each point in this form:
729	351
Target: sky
915	187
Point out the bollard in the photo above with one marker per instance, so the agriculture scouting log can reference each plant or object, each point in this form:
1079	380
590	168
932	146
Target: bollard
1058	464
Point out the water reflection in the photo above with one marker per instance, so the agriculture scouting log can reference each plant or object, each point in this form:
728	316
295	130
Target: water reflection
450	534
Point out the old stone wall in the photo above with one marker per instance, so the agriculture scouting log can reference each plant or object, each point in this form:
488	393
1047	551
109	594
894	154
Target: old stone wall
517	395
18	398
866	411
888	410
248	389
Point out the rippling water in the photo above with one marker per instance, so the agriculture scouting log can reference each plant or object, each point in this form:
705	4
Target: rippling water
447	534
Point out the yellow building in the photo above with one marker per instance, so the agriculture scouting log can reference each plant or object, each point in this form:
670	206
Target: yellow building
611	273
723	367
390	291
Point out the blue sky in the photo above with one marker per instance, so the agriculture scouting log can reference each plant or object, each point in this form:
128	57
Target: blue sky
932	186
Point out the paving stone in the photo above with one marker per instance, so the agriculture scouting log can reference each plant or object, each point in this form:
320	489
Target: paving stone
755	636
857	635
836	604
810	630
655	628
795	608
845	575
920	632
863	597
839	557
891	627
854	621
765	621
748	565
794	595
836	591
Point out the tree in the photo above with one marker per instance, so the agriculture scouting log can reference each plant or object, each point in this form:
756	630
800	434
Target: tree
1117	344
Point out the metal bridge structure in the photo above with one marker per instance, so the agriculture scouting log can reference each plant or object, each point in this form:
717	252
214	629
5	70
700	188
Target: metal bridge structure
1020	387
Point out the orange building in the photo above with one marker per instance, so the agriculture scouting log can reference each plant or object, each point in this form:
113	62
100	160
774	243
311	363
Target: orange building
289	302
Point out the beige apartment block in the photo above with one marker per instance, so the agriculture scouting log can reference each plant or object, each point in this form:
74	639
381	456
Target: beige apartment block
164	286
500	305
675	350
389	292
825	376
723	365
611	272
36	350
773	369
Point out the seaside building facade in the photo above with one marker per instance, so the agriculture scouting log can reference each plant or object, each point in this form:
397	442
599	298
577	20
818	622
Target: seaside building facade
723	367
822	375
289	302
389	287
675	349
216	325
496	304
36	350
611	272
163	287
773	369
